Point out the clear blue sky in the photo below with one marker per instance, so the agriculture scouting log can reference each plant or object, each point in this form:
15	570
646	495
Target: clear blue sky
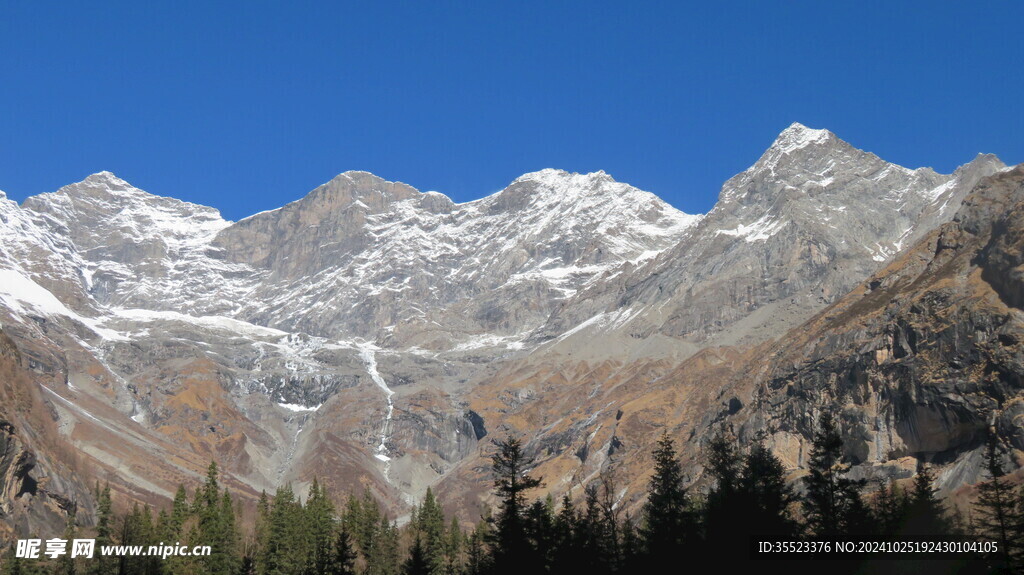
248	105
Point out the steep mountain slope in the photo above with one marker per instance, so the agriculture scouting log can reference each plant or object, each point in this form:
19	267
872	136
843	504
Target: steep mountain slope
918	361
798	229
374	335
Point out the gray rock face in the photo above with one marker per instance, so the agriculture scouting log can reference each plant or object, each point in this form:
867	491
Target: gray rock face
362	256
343	333
797	230
919	361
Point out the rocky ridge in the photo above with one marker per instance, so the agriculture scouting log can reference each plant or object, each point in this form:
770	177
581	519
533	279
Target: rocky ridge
374	335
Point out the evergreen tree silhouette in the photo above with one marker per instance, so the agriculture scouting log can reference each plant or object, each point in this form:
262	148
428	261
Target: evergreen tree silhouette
999	516
767	494
416	563
926	514
669	524
511	552
344	555
832	502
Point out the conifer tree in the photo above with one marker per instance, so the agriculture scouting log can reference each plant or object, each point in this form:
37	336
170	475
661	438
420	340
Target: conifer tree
12	564
368	521
596	542
104	530
510	551
724	503
130	533
769	496
344	553
926	514
478	561
669	523
890	509
568	552
65	564
284	552
539	529
227	537
430	527
320	532
417	562
383	557
178	516
453	549
216	525
831	501
631	545
261	532
999	518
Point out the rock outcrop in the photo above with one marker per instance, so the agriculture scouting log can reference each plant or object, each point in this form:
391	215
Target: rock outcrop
378	337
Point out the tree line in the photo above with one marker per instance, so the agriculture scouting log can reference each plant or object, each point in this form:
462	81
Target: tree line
748	496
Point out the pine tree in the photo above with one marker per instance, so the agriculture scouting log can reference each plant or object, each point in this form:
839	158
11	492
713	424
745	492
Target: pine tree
417	562
365	516
669	524
478	560
539	530
216	525
568	550
453	549
383	558
831	499
104	530
227	537
631	545
344	555
12	565
769	496
595	542
890	509
725	502
284	552
65	564
320	534
179	514
430	526
131	533
998	516
511	552
926	513
261	532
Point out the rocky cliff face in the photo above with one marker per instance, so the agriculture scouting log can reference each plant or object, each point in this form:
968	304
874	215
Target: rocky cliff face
39	484
377	336
922	358
793	233
918	361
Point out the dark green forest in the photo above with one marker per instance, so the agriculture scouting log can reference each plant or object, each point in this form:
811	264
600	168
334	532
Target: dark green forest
746	500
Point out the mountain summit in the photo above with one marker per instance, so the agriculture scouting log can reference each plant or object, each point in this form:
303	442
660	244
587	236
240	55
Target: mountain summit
373	334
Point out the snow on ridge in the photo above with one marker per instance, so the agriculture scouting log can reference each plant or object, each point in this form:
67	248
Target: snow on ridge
798	136
18	291
765	227
299	408
211	321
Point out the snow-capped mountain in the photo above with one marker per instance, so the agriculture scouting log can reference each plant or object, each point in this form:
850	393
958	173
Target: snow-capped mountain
369	332
798	229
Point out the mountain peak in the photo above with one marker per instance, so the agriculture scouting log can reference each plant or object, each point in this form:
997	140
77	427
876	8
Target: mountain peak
550	176
798	136
107	179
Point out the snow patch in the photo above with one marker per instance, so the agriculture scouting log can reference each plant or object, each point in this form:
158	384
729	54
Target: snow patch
765	227
18	291
297	407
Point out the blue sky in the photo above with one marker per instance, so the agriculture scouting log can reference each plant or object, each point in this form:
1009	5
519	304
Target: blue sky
246	106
